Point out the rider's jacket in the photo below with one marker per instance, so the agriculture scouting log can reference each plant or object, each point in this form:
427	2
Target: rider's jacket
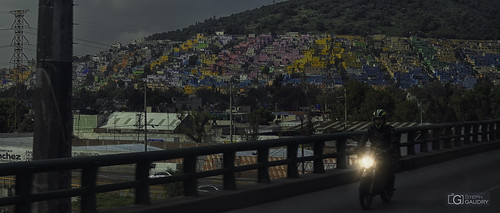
383	139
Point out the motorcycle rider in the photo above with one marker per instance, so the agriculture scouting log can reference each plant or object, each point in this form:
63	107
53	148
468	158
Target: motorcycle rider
383	139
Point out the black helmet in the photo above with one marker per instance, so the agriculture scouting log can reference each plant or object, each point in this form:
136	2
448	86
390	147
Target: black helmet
379	118
380	113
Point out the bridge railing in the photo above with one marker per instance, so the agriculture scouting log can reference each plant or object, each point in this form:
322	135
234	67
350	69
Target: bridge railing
414	140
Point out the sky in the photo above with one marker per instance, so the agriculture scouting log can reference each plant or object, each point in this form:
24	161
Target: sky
100	23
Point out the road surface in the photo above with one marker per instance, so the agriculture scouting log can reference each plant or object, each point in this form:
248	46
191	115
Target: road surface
422	190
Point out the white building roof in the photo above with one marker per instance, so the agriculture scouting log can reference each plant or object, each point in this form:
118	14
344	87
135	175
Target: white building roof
130	120
120	148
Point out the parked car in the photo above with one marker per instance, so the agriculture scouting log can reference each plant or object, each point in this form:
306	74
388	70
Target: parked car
207	188
160	174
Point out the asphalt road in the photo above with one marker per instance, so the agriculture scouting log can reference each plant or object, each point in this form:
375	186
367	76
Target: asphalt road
421	190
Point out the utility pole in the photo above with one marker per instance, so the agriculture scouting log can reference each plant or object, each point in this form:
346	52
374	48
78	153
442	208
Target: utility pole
18	57
345	109
145	119
139	126
52	99
231	81
231	111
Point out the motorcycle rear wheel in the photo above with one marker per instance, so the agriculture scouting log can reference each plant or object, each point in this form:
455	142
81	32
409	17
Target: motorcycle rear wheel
386	196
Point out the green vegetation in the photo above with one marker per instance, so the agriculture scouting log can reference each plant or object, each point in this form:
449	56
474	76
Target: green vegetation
114	199
14	116
107	200
15	113
193	125
256	118
438	103
462	19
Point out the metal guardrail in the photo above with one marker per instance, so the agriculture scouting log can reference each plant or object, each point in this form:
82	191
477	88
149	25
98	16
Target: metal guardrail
418	139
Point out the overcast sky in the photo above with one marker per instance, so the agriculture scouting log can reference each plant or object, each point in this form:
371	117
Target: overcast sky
104	22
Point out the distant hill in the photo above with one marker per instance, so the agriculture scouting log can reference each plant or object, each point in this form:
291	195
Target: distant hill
460	19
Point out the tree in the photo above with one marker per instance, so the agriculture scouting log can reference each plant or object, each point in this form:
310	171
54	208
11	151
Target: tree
307	125
495	102
482	99
193	125
12	114
214	49
193	60
211	96
256	118
278	81
355	92
437	108
320	26
406	110
289	98
135	98
376	99
327	99
255	98
462	101
157	98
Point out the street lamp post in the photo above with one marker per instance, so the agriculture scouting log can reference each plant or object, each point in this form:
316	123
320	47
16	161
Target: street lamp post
114	127
421	112
231	123
78	128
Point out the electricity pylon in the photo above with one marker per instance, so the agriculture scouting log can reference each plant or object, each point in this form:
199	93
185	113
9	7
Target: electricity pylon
18	58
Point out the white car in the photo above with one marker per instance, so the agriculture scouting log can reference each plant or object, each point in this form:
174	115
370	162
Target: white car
160	175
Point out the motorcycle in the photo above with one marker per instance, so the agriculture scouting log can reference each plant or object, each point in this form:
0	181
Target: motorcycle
373	181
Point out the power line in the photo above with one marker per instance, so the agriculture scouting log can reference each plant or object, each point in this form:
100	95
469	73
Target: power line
30	49
111	28
31	28
79	39
4	11
86	45
31	33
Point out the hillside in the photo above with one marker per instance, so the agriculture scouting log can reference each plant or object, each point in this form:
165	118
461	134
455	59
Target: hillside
461	19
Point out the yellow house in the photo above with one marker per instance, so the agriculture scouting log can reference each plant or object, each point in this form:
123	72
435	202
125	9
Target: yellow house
158	62
188	90
208	59
102	68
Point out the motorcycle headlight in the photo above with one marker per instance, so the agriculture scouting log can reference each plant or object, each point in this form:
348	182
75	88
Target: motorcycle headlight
366	162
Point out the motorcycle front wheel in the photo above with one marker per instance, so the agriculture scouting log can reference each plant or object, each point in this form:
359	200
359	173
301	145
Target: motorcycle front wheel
365	199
